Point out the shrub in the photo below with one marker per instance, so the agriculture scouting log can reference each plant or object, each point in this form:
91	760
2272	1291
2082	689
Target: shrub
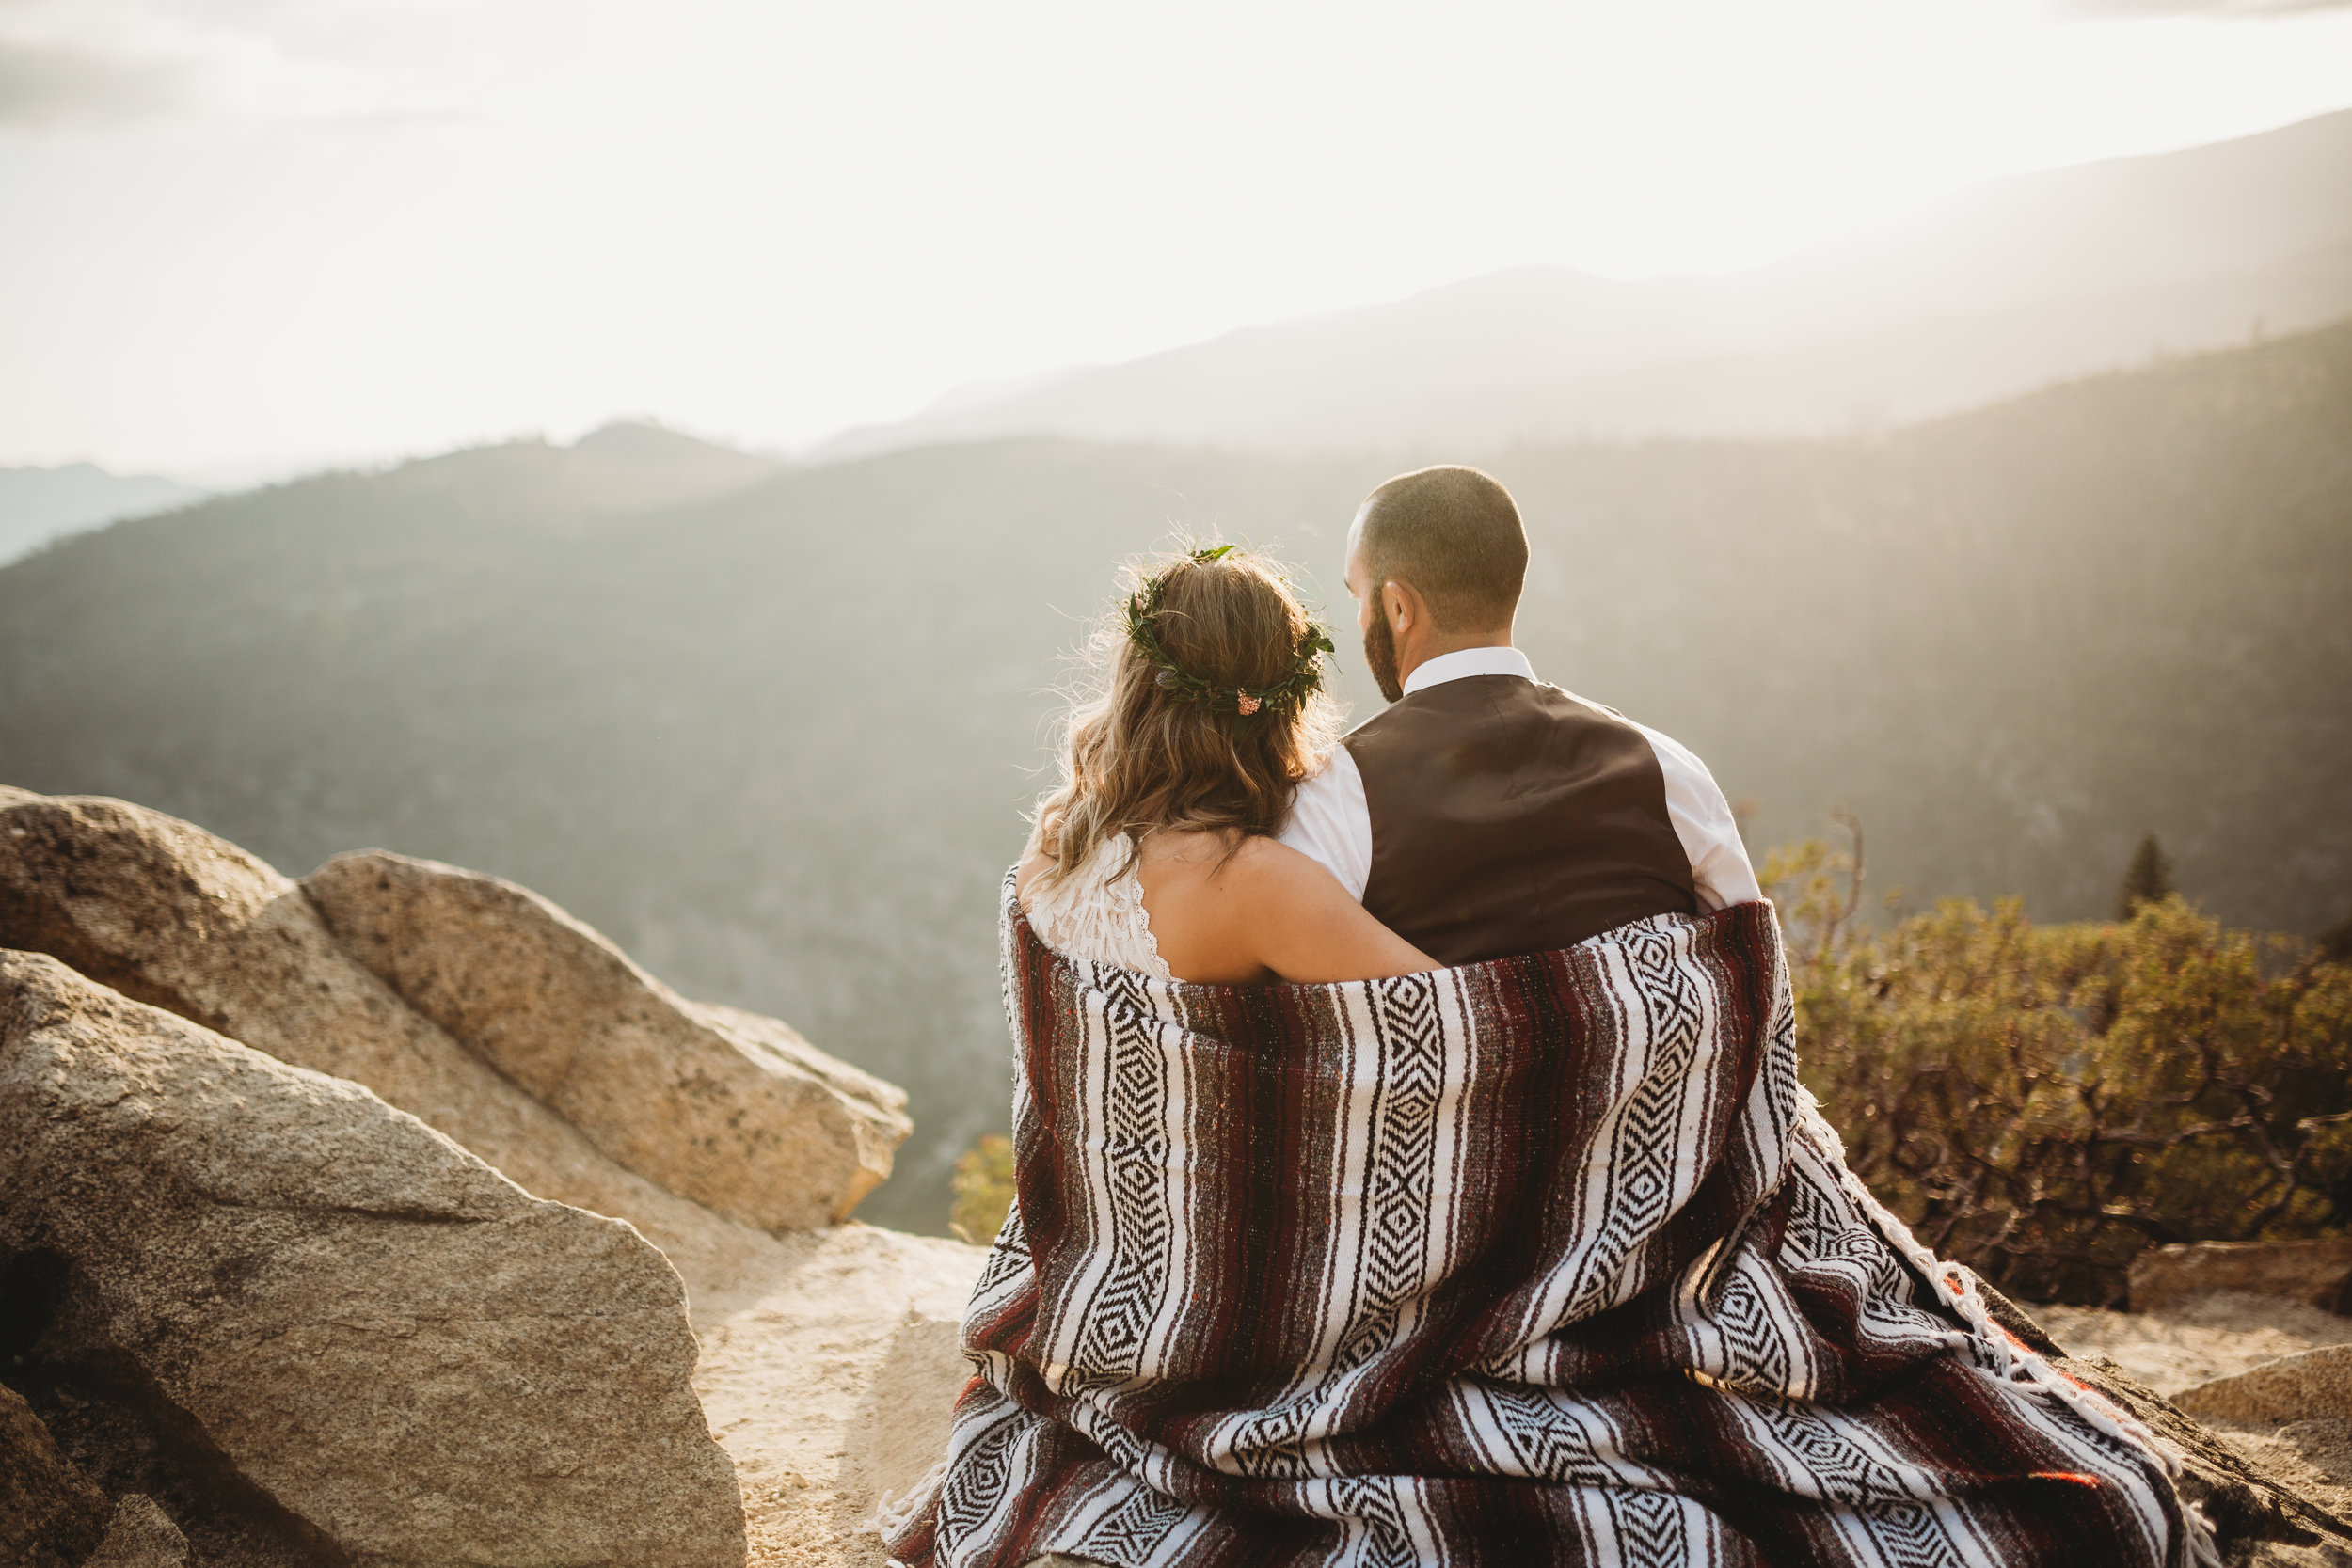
2042	1102
983	1187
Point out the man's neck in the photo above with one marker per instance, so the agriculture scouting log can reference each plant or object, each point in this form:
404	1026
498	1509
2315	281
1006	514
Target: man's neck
1440	644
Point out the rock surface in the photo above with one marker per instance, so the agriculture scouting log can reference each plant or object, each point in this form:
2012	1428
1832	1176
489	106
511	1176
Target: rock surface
2314	1385
737	1112
51	1515
2197	1340
141	1536
2318	1273
859	1323
169	914
393	1352
2259	1516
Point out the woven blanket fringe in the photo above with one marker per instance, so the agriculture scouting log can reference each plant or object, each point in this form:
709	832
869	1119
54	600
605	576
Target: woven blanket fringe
894	1514
2016	1362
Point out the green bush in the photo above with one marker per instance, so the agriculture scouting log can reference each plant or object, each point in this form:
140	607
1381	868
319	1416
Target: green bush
2042	1102
983	1186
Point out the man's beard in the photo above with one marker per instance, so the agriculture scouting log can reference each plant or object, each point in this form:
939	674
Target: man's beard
1381	653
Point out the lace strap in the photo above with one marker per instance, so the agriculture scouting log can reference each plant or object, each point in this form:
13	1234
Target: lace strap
1097	913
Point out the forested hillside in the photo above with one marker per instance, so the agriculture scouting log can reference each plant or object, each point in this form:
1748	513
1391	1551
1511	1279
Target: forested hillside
775	739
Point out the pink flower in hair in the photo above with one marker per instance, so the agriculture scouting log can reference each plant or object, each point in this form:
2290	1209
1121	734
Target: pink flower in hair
1245	702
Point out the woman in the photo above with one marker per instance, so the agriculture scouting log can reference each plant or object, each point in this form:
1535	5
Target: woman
1157	853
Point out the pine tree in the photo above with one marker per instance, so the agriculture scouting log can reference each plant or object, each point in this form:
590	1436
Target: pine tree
2335	946
2149	879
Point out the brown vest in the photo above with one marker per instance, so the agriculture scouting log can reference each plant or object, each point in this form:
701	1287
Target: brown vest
1509	818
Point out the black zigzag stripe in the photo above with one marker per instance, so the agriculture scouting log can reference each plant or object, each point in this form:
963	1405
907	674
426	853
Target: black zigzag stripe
1135	1146
1400	1177
1652	1532
1646	1147
1759	1354
1387	1541
1547	1445
1133	1531
1911	1536
983	1472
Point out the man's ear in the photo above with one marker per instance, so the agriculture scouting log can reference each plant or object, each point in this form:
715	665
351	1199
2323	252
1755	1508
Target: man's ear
1396	605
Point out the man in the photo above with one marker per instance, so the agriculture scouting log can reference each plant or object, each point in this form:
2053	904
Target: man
1485	814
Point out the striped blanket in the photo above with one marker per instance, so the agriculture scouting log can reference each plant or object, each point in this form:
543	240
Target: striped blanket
1546	1260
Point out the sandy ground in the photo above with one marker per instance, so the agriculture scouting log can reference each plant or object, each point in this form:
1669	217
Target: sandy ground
2216	1335
828	1370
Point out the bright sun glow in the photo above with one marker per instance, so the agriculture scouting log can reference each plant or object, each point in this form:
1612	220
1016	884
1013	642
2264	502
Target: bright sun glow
246	230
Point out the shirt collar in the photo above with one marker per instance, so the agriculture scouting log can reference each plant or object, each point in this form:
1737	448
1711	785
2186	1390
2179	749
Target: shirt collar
1465	662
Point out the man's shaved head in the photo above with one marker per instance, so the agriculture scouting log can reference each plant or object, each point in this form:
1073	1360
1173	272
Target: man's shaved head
1454	535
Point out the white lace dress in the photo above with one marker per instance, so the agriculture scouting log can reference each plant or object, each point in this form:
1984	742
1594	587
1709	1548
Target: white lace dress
1098	913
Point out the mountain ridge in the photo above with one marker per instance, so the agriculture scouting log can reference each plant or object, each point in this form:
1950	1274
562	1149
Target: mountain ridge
38	505
2178	251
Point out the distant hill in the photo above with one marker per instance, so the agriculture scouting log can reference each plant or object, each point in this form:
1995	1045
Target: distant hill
775	741
1983	294
625	466
633	463
41	504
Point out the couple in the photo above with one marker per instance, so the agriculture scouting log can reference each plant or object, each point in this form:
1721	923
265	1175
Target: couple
1504	1232
1207	828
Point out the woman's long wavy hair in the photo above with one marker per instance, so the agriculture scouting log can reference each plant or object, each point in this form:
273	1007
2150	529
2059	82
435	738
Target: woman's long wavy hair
1137	759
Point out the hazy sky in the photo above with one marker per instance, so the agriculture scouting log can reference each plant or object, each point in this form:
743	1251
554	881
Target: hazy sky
261	231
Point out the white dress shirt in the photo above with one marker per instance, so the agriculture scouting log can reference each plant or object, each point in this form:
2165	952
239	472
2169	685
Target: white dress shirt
1330	822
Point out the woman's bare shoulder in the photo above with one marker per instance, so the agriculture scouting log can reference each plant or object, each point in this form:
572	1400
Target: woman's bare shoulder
1189	855
1272	867
1241	873
1308	927
1025	874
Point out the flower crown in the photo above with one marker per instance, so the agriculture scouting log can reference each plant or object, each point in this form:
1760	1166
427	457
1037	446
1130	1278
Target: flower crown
1292	691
